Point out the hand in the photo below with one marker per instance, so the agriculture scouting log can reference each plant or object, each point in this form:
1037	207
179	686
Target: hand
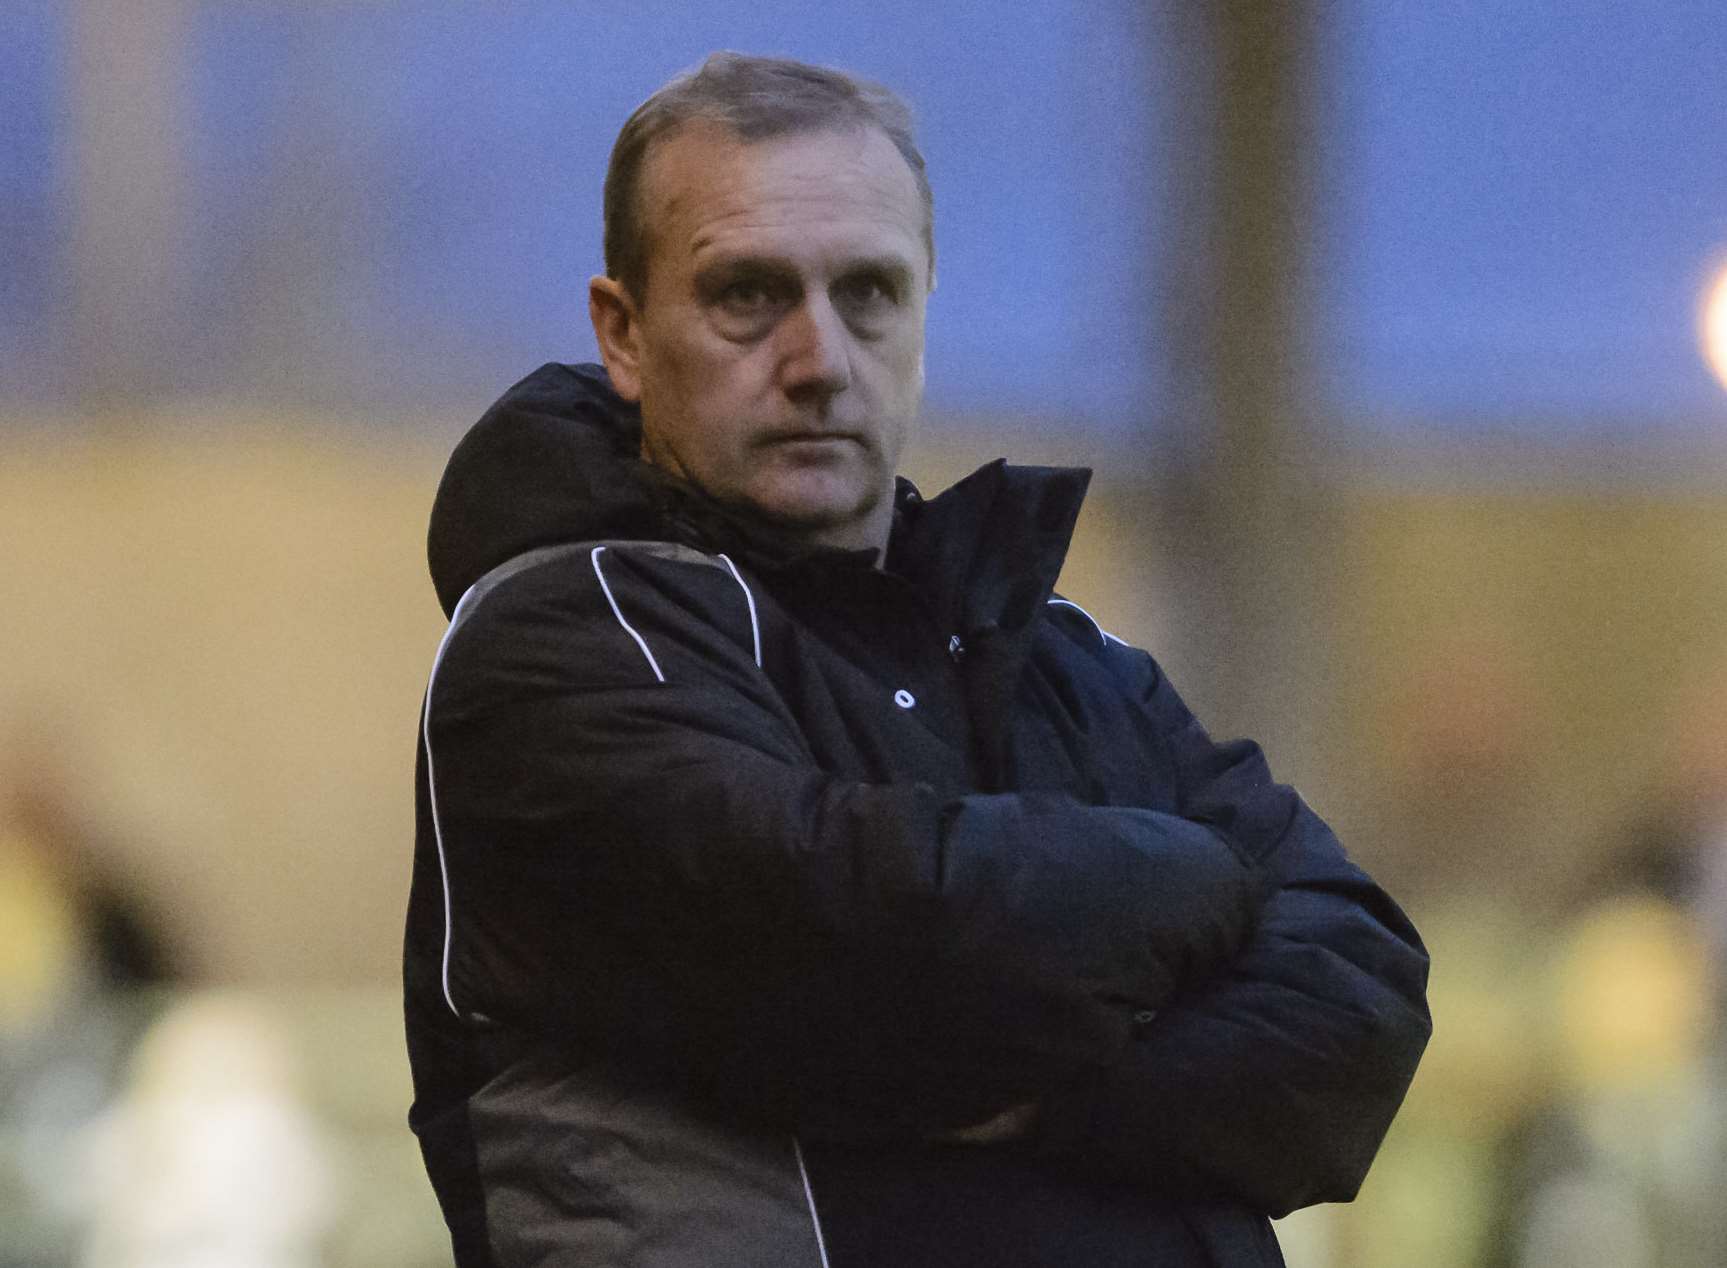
1011	1124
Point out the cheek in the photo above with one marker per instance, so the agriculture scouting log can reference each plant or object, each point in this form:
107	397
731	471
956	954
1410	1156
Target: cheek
706	365
681	380
719	392
905	349
902	367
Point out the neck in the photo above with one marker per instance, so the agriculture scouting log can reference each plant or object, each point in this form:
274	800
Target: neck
717	521
868	533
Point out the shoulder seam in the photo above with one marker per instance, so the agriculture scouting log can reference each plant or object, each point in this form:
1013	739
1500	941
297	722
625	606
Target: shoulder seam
750	599
605	587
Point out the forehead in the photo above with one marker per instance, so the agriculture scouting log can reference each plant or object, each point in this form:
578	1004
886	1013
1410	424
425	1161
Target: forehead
706	191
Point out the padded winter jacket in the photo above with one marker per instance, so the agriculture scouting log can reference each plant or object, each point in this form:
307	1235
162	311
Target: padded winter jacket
746	874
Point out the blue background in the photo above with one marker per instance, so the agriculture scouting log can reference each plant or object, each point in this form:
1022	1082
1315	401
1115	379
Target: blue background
1519	206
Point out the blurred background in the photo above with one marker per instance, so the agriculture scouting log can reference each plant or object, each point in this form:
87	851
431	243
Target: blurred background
1387	327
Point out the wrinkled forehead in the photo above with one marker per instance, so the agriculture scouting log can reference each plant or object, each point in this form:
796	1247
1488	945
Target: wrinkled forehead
703	180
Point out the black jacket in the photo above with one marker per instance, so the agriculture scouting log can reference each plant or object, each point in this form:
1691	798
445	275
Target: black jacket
743	873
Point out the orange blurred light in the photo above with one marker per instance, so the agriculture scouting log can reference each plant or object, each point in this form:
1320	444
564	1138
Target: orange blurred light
1715	326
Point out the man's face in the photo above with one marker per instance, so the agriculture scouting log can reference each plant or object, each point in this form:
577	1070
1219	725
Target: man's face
778	351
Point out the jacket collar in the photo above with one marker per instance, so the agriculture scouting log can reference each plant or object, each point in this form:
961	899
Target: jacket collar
988	551
555	459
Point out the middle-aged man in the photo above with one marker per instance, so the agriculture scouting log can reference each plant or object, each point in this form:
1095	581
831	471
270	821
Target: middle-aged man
799	881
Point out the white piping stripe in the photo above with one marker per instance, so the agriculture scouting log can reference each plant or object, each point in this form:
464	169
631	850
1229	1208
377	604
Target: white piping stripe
810	1197
628	628
755	629
432	795
469	597
1103	633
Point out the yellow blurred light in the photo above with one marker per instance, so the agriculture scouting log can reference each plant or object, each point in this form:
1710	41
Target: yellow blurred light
1715	326
1634	986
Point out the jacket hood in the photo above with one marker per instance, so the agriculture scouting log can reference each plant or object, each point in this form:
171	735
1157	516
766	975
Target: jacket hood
553	460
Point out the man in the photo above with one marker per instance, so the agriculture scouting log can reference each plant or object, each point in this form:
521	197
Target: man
799	881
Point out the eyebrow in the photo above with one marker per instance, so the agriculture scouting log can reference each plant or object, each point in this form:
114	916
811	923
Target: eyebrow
729	267
896	267
887	265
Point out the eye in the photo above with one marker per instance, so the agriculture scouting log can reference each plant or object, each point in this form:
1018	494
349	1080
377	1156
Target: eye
747	297
865	293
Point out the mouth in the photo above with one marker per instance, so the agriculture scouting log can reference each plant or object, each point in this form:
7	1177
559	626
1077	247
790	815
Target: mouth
814	439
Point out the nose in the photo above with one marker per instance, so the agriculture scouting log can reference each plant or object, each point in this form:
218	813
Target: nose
815	352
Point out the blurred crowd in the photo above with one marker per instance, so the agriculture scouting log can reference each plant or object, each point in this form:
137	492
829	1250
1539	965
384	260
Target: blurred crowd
1572	1110
149	1122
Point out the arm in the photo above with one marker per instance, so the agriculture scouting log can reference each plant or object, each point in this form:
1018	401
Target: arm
657	871
1272	1082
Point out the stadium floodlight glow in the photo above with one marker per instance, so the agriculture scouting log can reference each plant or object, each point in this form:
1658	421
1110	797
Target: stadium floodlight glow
1715	326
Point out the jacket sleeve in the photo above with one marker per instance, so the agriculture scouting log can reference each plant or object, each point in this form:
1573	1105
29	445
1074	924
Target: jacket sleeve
642	861
1273	1081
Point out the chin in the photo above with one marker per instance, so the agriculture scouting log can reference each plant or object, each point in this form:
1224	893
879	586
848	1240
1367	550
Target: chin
830	520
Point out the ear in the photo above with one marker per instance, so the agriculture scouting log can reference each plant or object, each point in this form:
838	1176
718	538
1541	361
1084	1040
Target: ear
617	328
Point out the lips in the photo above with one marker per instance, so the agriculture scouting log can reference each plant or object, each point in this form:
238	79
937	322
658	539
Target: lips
810	438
